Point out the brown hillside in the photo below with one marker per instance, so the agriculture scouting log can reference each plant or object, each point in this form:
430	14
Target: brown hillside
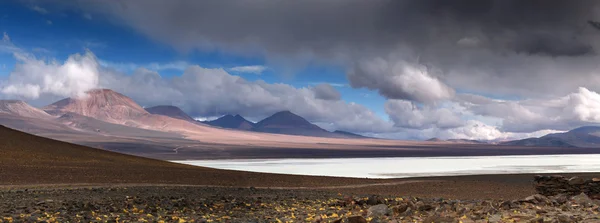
29	159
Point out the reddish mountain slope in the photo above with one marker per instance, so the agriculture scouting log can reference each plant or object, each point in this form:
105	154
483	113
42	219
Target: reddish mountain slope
22	109
102	104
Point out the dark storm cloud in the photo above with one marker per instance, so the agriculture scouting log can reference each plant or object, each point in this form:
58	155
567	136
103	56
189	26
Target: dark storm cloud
417	50
328	26
469	41
326	92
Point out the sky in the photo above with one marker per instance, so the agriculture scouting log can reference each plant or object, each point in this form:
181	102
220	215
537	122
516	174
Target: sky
405	69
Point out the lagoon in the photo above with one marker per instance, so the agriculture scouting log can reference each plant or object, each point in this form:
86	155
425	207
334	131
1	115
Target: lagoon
404	167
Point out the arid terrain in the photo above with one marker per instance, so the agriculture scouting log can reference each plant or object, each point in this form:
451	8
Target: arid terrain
125	178
53	181
109	120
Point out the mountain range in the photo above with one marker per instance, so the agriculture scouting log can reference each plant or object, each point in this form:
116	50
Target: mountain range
283	122
582	137
109	120
232	122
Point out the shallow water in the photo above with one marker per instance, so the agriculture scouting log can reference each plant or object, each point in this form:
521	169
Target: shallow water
411	166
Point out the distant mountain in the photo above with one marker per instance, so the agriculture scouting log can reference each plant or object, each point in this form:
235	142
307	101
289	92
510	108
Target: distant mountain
109	106
286	122
583	137
349	134
171	111
434	140
232	122
22	109
464	141
461	141
102	104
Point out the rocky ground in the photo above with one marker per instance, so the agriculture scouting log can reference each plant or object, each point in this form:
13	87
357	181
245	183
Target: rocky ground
210	204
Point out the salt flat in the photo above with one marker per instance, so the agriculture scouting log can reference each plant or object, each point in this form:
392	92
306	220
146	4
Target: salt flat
404	167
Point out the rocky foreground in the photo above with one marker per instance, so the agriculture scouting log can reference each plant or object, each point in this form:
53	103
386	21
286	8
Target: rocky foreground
210	204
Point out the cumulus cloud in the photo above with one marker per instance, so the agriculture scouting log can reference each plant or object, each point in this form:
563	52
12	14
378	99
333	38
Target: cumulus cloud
406	114
254	69
326	92
205	92
411	52
32	77
561	113
399	80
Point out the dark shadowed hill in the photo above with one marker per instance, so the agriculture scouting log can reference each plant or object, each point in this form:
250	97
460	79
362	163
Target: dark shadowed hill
232	122
286	122
583	137
171	111
30	159
349	134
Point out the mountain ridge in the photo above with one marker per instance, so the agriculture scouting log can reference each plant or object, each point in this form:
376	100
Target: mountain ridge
582	137
170	111
232	122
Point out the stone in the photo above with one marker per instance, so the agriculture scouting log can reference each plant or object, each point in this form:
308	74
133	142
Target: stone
576	181
559	199
423	207
400	209
439	219
563	218
495	218
374	200
536	199
583	200
537	220
378	210
357	219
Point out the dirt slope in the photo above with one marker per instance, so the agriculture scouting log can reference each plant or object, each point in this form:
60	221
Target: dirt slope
29	159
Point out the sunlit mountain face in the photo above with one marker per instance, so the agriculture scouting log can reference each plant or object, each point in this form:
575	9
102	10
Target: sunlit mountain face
462	71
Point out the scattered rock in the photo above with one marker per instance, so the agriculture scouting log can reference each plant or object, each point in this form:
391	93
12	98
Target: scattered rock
582	199
576	181
536	199
400	209
357	219
374	200
378	210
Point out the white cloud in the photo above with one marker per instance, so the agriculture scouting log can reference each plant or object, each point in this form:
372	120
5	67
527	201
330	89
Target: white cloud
254	69
205	92
49	22
6	38
407	114
563	113
87	16
39	9
32	77
6	46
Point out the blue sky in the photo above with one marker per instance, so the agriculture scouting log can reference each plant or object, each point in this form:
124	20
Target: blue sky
52	35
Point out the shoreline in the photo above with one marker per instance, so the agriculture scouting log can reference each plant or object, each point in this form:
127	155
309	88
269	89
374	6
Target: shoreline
496	186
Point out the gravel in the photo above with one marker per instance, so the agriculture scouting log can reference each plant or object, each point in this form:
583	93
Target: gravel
210	204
